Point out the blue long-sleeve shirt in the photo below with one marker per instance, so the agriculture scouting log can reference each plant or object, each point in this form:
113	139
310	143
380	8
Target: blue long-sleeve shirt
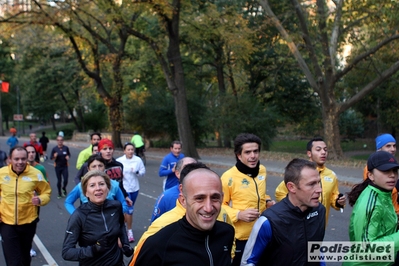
165	202
115	193
168	162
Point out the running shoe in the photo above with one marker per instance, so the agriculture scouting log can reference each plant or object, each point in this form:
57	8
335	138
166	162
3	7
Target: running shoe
59	196
32	252
130	236
64	193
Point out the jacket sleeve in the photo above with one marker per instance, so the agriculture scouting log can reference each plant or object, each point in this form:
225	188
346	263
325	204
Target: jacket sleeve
71	198
122	188
147	255
122	227
372	229
158	208
52	154
141	168
281	191
119	197
72	234
44	190
79	175
82	158
334	193
260	237
227	192
165	169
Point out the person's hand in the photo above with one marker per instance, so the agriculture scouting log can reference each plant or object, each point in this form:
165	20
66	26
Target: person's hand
129	202
36	200
55	154
248	215
341	200
67	157
270	203
100	245
174	168
127	250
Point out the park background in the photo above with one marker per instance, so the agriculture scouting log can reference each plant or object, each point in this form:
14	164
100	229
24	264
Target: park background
204	71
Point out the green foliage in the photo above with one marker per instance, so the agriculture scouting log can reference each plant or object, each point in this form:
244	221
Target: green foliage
153	114
97	118
351	125
292	146
244	113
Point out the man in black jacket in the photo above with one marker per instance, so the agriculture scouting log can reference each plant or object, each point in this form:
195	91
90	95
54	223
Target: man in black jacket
280	236
197	238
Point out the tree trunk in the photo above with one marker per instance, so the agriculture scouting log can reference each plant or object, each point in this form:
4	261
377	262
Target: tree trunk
115	118
331	133
179	91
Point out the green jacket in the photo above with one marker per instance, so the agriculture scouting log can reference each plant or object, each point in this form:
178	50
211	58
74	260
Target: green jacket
373	219
84	156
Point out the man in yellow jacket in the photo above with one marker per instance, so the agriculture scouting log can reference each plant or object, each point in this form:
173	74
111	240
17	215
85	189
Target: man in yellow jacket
23	189
86	153
317	152
244	189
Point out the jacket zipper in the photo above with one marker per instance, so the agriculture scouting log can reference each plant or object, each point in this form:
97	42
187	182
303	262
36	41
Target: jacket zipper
105	221
16	201
208	250
257	193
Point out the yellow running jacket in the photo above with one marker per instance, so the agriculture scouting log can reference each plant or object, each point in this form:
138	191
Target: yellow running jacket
329	185
16	193
241	192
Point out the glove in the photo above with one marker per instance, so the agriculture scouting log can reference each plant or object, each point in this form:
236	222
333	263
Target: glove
127	250
100	246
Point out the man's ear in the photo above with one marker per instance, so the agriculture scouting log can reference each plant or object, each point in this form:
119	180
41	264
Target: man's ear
309	154
182	200
291	187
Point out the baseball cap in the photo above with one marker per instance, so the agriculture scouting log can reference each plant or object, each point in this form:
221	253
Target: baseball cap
382	161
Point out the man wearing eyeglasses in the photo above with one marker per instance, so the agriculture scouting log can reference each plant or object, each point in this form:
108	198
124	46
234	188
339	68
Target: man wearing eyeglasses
60	154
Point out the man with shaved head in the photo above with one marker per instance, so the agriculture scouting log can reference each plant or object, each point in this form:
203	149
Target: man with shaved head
198	238
167	200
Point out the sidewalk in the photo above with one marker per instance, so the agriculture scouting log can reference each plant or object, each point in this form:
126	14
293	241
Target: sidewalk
346	175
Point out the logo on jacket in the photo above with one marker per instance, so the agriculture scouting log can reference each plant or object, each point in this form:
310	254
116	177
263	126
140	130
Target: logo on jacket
328	179
7	179
245	182
312	214
261	177
230	182
26	178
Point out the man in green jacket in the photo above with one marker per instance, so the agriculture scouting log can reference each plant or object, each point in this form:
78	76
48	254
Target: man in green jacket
86	153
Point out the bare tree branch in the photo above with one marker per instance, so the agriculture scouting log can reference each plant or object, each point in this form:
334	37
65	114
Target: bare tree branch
364	55
292	46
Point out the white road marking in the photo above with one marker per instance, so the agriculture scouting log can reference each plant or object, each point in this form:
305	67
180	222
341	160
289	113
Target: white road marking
50	260
148	196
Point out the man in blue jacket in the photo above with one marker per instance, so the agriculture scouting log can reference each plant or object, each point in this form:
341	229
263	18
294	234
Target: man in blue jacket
168	165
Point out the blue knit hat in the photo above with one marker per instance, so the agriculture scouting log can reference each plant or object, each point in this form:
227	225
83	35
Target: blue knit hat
383	139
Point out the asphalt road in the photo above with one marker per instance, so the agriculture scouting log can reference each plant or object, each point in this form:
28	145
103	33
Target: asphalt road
53	217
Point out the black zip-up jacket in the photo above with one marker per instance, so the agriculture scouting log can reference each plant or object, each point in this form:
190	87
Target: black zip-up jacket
89	223
291	231
180	244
